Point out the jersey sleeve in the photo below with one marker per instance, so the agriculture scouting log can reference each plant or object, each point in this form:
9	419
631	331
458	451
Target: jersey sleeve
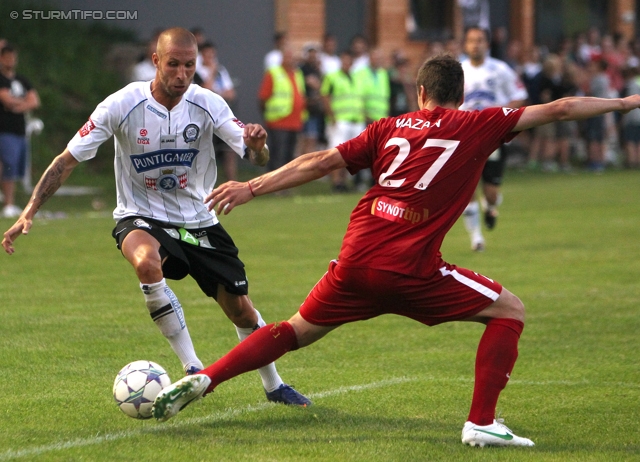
99	128
359	152
497	123
226	126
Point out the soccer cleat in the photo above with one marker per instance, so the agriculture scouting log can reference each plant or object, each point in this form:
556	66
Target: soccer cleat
287	395
178	395
490	217
192	370
495	434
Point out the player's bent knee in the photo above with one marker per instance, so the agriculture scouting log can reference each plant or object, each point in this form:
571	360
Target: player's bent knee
148	269
513	307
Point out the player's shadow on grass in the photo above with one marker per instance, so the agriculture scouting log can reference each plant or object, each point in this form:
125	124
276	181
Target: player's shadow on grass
320	425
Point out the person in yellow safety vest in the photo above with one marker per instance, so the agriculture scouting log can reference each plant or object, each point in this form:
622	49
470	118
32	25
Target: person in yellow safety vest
377	87
282	101
343	97
377	92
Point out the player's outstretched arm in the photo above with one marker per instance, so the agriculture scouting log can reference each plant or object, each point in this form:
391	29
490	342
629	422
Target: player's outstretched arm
573	108
301	170
51	179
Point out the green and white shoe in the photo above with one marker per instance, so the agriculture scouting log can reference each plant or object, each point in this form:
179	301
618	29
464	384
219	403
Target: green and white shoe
178	395
495	434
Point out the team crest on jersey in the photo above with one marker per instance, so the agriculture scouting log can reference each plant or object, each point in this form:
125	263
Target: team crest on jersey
141	224
191	133
86	128
168	181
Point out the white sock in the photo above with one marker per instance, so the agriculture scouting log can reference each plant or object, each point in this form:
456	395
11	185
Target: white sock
166	312
471	218
270	378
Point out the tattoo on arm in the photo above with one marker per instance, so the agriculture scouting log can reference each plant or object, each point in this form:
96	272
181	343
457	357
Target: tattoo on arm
50	182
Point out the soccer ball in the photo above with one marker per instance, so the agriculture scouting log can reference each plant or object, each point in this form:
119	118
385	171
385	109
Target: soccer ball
136	387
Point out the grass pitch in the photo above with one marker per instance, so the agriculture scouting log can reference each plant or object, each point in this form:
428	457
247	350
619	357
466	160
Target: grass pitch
386	389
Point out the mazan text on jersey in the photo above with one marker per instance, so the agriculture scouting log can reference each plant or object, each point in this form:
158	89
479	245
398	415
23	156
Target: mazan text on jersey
419	124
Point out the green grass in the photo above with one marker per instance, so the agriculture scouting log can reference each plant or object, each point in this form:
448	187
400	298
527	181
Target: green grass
386	389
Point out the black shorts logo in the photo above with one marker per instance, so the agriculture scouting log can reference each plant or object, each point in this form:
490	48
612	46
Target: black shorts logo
139	223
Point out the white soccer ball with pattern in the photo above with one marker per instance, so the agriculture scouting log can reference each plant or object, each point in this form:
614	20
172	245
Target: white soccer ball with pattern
136	387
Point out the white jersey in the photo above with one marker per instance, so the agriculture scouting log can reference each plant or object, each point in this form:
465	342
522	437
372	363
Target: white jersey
164	160
491	84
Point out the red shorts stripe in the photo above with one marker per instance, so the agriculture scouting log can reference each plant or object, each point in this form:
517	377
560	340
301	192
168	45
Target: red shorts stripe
354	294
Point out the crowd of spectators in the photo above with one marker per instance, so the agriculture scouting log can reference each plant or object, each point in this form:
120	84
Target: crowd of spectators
588	64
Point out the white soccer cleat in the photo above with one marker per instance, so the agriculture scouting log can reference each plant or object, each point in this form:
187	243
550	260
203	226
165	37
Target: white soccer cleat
495	434
178	395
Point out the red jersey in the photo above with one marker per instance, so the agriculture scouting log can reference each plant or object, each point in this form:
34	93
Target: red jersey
426	166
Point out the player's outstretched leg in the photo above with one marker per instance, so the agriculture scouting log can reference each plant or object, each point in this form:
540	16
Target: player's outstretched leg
494	434
178	395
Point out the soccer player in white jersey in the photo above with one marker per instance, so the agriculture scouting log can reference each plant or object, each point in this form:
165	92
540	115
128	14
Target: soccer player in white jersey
165	167
488	82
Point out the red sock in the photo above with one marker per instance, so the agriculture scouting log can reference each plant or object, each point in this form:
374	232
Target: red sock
259	349
497	354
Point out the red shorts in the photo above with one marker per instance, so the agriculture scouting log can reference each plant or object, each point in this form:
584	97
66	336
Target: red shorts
354	294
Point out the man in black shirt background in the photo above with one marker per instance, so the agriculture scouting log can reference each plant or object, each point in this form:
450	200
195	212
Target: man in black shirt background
17	97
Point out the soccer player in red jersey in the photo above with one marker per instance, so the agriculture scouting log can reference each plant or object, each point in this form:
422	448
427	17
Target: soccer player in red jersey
426	165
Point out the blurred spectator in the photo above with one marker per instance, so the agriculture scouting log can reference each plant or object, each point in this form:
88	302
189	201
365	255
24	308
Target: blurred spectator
530	72
17	97
500	43
313	80
329	60
282	101
343	99
631	121
375	81
200	36
452	46
599	87
615	62
144	70
201	39
359	48
555	83
513	56
590	49
402	98
274	57
216	78
375	78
